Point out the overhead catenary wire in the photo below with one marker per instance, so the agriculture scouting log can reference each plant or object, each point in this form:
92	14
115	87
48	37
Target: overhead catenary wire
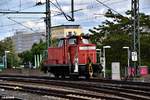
60	8
21	24
109	7
106	1
6	25
19	11
20	5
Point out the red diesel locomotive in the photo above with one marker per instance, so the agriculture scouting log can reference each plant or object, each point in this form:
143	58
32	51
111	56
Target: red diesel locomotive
74	56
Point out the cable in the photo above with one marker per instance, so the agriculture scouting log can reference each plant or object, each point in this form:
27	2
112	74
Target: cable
26	17
116	2
16	7
84	9
108	7
6	10
7	25
21	24
106	1
60	10
26	3
20	5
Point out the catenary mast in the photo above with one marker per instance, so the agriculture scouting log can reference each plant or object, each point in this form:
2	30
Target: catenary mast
135	54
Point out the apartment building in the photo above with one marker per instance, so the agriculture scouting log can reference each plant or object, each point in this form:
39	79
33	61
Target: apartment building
23	40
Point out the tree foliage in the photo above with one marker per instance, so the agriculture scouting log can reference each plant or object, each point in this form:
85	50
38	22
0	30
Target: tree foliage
12	58
116	31
37	49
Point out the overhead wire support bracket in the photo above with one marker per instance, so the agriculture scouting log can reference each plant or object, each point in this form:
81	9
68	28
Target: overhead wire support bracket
18	12
68	17
135	34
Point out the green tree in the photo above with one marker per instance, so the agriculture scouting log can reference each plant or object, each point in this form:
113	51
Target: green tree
7	45
28	56
116	31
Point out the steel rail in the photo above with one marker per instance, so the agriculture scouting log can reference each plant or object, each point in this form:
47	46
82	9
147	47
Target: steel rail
51	92
115	89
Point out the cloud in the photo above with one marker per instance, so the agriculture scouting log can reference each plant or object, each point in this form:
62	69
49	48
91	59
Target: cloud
35	25
91	14
144	3
42	1
29	24
7	34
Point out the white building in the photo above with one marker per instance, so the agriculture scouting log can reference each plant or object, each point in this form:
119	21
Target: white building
64	30
23	41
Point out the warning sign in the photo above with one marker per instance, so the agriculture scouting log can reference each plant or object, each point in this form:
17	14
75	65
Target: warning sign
134	56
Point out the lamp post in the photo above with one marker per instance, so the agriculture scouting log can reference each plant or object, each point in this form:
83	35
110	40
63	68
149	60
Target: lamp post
6	58
99	50
104	59
128	52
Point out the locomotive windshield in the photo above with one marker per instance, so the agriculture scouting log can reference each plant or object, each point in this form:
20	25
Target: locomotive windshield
77	40
72	41
61	42
85	41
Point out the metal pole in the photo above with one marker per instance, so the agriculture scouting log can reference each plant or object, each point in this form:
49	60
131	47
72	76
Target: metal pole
128	57
128	61
99	50
72	9
35	61
136	34
48	23
104	62
100	56
5	60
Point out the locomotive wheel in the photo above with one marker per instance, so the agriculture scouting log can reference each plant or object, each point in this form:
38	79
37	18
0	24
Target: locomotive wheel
74	76
56	76
63	76
87	76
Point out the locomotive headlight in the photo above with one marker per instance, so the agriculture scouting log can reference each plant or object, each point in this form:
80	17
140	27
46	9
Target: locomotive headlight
87	48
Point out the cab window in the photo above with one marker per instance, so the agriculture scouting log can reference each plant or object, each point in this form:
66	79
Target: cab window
85	41
61	42
72	41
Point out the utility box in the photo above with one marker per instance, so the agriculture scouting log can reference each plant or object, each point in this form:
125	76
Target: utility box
131	71
143	70
115	71
1	66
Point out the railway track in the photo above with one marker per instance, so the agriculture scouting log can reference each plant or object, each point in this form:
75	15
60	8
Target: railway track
110	89
9	98
61	93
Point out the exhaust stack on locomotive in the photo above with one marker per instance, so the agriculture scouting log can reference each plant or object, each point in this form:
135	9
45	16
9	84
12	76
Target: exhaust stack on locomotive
74	56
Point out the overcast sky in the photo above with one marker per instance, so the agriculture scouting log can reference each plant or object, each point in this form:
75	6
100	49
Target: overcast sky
91	14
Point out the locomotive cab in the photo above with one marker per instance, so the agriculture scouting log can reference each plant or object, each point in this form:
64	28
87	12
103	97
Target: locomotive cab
83	56
74	55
